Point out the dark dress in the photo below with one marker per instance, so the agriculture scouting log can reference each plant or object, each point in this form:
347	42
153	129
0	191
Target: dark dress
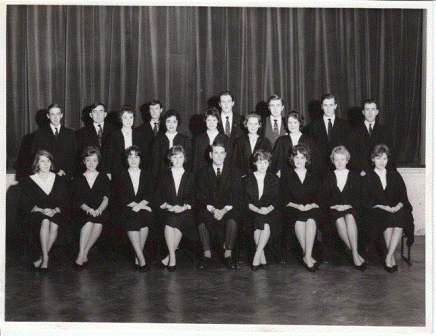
114	160
270	196
92	197
159	150
242	154
123	186
226	191
283	147
166	192
350	195
63	148
377	220
201	149
304	193
32	195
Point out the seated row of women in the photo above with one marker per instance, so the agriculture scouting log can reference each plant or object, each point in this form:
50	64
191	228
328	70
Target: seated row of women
299	200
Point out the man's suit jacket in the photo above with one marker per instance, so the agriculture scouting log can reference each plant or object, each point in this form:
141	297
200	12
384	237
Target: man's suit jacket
361	145
339	136
236	129
87	136
63	149
268	132
148	136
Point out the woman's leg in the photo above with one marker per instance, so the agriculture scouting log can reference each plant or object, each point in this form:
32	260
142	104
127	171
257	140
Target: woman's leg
94	234
352	237
262	241
342	231
172	238
310	240
43	237
136	243
300	232
397	233
85	233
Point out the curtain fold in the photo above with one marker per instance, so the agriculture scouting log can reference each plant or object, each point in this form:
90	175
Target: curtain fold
75	55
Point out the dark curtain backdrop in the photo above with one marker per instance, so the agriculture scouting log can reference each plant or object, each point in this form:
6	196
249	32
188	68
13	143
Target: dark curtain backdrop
76	55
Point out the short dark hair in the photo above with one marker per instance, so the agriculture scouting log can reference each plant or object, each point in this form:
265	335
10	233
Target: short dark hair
252	115
369	101
379	150
327	96
262	155
177	149
132	149
296	115
154	102
276	97
213	111
218	143
226	93
90	151
302	149
171	113
53	105
126	109
96	104
38	155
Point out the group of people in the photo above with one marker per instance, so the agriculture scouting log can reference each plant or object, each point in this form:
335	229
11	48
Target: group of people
262	176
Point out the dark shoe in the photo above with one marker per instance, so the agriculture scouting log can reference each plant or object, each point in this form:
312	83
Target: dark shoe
77	266
360	267
263	266
255	268
171	268
43	270
143	268
312	269
85	263
204	263
389	269
395	268
230	263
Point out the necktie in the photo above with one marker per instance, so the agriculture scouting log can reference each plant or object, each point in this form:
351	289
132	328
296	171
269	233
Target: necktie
56	133
227	127
100	134
276	128
155	128
329	127
218	173
370	129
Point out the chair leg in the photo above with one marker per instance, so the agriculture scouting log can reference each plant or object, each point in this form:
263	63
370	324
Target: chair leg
408	251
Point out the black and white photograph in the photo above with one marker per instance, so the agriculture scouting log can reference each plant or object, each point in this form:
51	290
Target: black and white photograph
231	168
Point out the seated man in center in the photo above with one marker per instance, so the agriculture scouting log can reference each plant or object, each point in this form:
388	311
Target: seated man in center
218	194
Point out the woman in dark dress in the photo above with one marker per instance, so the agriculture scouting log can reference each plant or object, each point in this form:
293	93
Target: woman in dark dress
300	193
284	145
262	202
203	142
122	139
135	190
342	198
175	196
387	207
247	144
170	137
90	200
45	202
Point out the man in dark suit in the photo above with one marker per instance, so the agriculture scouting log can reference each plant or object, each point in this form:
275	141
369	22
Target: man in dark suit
274	126
231	122
151	125
60	141
329	131
218	194
365	136
95	134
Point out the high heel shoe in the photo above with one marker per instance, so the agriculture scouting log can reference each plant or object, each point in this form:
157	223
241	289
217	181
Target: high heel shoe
389	269
263	266
171	268
360	267
254	268
43	270
143	268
